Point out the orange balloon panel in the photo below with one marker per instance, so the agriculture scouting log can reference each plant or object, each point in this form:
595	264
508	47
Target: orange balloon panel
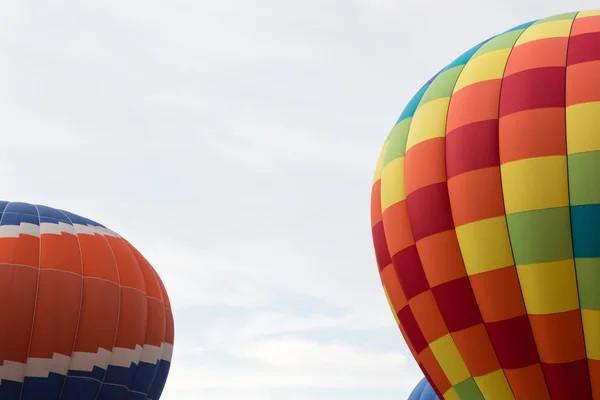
486	216
82	314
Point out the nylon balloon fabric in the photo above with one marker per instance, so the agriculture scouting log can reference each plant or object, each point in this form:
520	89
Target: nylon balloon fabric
83	315
423	391
486	216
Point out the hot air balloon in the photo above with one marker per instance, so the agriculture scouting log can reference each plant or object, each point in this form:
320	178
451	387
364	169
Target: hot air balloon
423	391
486	216
83	315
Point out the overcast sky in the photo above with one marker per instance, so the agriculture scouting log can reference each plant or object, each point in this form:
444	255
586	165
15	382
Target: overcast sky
233	143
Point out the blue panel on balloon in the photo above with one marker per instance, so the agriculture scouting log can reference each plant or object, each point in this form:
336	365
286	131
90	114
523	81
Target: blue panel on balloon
113	392
159	380
80	388
423	391
10	390
43	388
143	377
120	375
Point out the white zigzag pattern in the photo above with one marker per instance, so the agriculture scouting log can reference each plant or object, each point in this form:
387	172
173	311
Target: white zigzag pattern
91	230
41	367
51	228
85	362
13	231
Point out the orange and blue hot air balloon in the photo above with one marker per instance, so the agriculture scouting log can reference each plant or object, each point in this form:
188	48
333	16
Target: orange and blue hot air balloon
83	315
486	216
423	391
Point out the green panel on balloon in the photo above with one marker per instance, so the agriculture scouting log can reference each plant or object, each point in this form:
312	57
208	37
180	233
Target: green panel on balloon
584	175
503	41
468	390
442	86
540	236
396	146
559	17
588	276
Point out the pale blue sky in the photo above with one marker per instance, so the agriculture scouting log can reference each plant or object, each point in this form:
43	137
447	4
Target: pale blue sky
233	142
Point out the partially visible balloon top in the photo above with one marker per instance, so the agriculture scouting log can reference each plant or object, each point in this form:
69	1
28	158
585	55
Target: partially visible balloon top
423	391
83	314
486	216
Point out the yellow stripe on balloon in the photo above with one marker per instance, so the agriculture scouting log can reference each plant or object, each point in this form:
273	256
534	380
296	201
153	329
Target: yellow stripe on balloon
583	121
445	351
550	287
551	29
485	67
535	184
429	122
494	386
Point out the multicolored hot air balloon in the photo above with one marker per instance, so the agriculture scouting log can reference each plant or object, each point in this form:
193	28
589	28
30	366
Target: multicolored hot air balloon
83	316
486	216
423	391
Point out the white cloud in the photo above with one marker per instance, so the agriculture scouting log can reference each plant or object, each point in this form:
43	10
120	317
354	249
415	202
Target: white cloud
300	353
302	363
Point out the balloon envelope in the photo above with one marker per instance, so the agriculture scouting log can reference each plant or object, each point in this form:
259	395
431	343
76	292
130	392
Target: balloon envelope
82	314
423	391
486	216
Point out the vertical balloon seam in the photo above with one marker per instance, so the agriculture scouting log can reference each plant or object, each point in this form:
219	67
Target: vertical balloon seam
407	116
376	221
454	91
424	90
384	285
445	132
506	213
523	28
570	16
3	209
118	315
569	200
1	220
165	346
459	63
164	333
502	81
145	292
164	340
409	113
35	303
583	114
75	336
169	326
144	348
141	259
461	66
137	265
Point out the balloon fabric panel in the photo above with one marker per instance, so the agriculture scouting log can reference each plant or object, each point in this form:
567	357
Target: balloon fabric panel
84	315
423	391
486	216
